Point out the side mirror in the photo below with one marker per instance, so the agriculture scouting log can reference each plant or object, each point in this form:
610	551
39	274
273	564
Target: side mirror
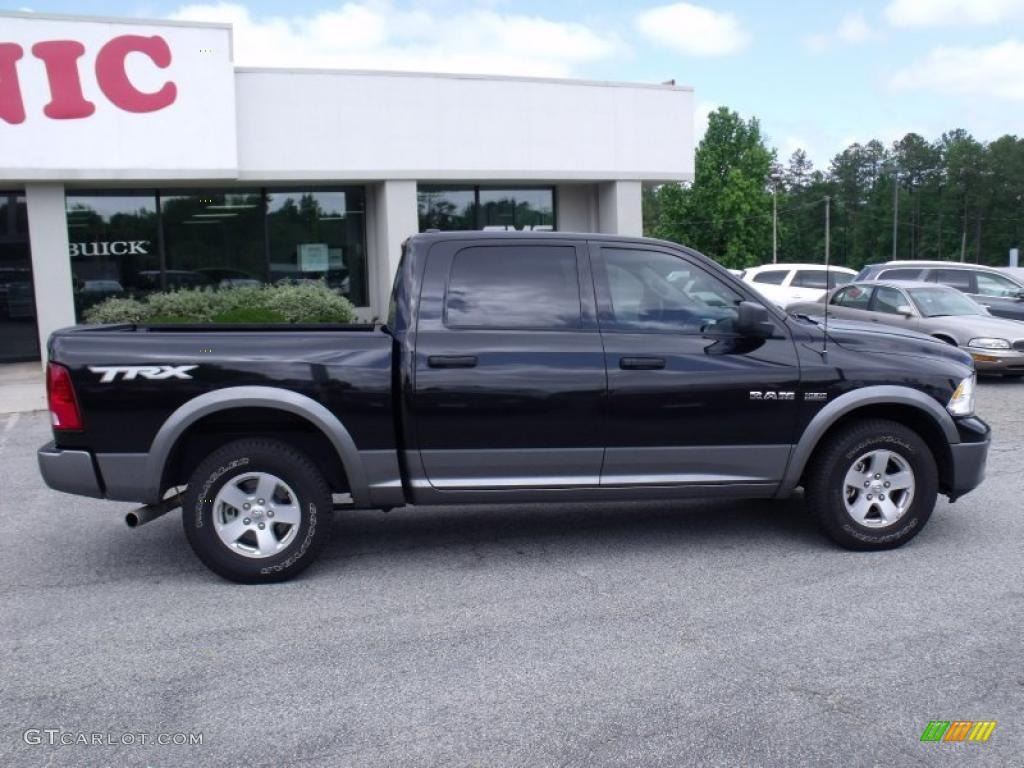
754	320
904	310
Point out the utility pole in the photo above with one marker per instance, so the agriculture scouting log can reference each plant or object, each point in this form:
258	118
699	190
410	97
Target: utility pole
776	175
775	222
828	232
895	209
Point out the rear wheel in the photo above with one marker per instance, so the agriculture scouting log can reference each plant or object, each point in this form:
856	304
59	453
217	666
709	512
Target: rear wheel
872	485
257	511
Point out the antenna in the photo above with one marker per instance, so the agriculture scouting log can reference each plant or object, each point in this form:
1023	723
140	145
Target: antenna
828	255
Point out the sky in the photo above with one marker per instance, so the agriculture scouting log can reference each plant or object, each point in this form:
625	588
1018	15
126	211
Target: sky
818	75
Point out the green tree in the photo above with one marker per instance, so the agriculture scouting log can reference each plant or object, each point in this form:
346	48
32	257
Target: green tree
726	212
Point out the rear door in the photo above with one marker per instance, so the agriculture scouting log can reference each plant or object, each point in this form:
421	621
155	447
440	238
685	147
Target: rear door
689	401
509	382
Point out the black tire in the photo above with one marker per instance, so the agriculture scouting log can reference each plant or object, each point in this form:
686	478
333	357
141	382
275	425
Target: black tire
825	480
290	466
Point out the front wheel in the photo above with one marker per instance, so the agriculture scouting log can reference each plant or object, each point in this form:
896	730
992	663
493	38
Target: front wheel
257	511
872	485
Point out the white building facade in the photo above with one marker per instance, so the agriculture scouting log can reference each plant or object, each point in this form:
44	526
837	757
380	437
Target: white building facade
134	156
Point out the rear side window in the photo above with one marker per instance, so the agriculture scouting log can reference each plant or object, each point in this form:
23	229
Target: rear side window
514	287
810	278
954	278
900	274
854	297
771	276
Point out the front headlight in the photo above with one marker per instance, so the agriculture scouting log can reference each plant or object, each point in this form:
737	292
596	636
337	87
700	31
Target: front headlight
987	343
962	401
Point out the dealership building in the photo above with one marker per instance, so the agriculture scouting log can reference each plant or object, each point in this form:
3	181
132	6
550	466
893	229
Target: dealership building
134	156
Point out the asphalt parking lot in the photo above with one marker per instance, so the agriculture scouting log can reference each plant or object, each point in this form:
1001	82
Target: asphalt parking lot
649	634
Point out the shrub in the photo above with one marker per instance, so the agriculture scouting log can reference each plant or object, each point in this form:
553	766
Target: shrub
199	305
114	310
312	302
249	315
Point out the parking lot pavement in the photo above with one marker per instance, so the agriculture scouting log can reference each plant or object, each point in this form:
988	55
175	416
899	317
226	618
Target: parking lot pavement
617	634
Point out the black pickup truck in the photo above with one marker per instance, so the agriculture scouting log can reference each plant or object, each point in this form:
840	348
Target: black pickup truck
513	367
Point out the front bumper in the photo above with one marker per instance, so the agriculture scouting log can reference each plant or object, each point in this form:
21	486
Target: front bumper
997	360
969	458
69	471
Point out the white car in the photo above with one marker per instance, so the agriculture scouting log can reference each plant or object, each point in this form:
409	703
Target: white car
783	284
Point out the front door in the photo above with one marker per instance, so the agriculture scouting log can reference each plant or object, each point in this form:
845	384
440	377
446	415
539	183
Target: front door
509	371
690	401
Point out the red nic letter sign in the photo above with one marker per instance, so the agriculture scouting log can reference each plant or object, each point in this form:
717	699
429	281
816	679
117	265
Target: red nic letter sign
67	102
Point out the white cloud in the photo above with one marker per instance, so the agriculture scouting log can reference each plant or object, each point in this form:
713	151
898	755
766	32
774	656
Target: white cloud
931	13
854	28
995	71
693	30
376	35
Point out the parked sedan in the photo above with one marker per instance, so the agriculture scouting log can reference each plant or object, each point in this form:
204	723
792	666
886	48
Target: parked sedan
996	344
999	290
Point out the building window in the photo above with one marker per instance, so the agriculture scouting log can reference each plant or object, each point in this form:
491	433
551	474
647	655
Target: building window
214	238
449	209
488	208
114	245
320	235
18	337
133	242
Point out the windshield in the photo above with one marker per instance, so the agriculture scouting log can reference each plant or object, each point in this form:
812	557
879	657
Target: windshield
935	302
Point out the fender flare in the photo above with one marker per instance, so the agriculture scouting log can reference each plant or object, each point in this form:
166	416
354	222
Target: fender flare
256	397
883	394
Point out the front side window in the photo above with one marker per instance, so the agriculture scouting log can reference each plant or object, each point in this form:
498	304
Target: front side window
996	285
657	291
771	276
888	300
512	287
838	278
852	297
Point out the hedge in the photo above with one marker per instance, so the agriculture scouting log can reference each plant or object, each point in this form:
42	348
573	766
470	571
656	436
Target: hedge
312	302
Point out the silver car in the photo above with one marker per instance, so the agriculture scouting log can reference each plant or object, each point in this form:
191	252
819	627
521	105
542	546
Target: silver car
996	344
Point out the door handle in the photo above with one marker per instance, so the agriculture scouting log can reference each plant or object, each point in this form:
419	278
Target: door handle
641	363
452	361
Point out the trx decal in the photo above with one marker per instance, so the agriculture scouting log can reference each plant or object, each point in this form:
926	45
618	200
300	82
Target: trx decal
151	372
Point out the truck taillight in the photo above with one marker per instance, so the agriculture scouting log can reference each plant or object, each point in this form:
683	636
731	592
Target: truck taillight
61	398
